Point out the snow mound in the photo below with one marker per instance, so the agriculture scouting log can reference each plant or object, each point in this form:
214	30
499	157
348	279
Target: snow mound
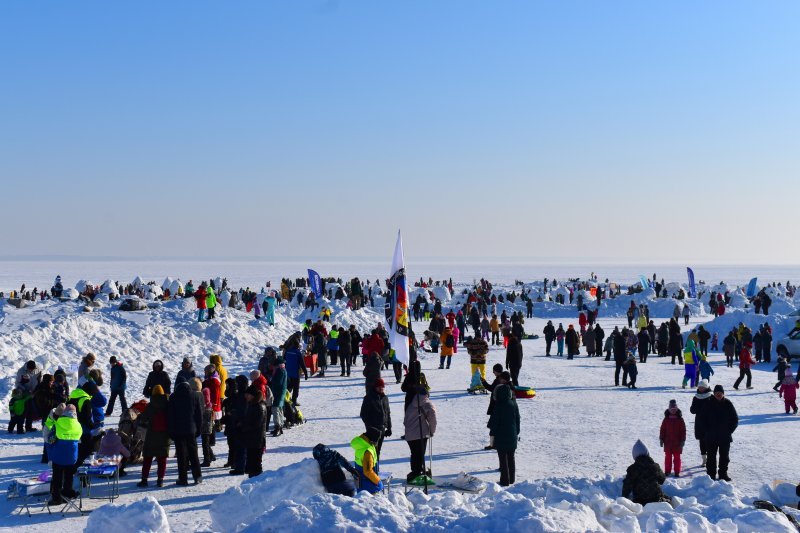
145	515
292	497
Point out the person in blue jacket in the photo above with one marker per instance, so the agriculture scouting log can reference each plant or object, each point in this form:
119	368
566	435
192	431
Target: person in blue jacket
62	449
277	385
294	362
119	382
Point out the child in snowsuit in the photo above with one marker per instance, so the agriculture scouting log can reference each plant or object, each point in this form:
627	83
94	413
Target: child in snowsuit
788	391
331	464
367	460
672	438
629	372
705	369
715	342
207	429
17	409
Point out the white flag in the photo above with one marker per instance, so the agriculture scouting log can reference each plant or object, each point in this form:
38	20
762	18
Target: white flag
396	308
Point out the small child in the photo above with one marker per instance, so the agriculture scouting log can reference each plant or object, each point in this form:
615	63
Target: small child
672	438
110	445
780	368
17	409
715	342
705	369
788	391
228	411
630	371
207	429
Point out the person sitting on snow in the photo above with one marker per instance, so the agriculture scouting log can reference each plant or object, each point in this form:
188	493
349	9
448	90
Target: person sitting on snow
643	480
334	479
367	460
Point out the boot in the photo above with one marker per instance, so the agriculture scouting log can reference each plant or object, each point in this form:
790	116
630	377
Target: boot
160	482
142	483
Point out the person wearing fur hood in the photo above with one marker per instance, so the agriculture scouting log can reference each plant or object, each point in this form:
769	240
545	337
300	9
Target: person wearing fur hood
672	438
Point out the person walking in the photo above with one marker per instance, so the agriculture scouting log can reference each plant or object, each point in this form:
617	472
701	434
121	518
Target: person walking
119	382
745	362
252	429
514	359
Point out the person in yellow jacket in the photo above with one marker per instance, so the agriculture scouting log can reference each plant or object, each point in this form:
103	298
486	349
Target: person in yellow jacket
641	322
216	360
367	460
494	327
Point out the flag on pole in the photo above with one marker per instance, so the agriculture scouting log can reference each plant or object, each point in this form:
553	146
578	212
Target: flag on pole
692	286
315	282
751	287
396	307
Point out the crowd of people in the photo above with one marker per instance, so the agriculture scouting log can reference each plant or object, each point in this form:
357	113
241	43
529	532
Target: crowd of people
204	404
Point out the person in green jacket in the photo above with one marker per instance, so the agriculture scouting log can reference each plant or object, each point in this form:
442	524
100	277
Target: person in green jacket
504	427
17	409
211	301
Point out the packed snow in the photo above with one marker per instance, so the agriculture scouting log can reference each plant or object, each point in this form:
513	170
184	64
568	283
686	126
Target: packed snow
576	434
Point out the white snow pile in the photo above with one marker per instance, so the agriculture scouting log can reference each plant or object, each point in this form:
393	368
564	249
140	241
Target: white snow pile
292	497
145	515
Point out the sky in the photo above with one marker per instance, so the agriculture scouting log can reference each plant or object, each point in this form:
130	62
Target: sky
617	131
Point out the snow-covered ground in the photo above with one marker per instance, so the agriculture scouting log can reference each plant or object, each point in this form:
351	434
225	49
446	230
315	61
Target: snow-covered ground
576	434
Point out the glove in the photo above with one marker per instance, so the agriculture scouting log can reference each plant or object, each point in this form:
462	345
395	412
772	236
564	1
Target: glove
681	446
387	433
380	485
305	376
661	443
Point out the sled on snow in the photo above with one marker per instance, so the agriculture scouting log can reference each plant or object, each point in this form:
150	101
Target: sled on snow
524	392
464	483
530	337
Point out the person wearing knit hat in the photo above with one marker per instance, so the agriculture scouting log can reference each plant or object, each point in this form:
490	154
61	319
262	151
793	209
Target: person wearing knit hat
643	479
699	401
375	413
672	437
719	421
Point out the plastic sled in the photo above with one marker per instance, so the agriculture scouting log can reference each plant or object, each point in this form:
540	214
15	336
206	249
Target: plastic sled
524	392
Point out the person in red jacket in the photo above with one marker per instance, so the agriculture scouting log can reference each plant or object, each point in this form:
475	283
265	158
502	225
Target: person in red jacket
200	300
672	438
745	362
451	319
373	343
214	386
258	379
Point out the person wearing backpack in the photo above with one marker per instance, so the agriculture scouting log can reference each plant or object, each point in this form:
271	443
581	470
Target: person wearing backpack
448	342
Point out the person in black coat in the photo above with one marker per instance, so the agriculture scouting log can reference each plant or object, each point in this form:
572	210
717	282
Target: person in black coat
186	373
375	413
619	354
704	336
643	337
252	430
549	336
719	422
675	342
599	335
184	420
355	342
699	403
157	377
514	358
643	480
344	351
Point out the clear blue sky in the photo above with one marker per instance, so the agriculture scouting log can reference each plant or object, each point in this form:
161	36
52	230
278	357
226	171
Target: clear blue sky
656	131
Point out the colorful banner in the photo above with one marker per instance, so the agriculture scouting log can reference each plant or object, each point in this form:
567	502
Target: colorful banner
751	287
644	282
315	282
396	308
692	286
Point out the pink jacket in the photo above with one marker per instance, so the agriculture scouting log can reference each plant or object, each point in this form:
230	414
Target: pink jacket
789	391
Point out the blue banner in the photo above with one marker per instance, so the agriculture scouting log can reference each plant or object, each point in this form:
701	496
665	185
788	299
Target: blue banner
644	282
751	287
315	282
692	287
